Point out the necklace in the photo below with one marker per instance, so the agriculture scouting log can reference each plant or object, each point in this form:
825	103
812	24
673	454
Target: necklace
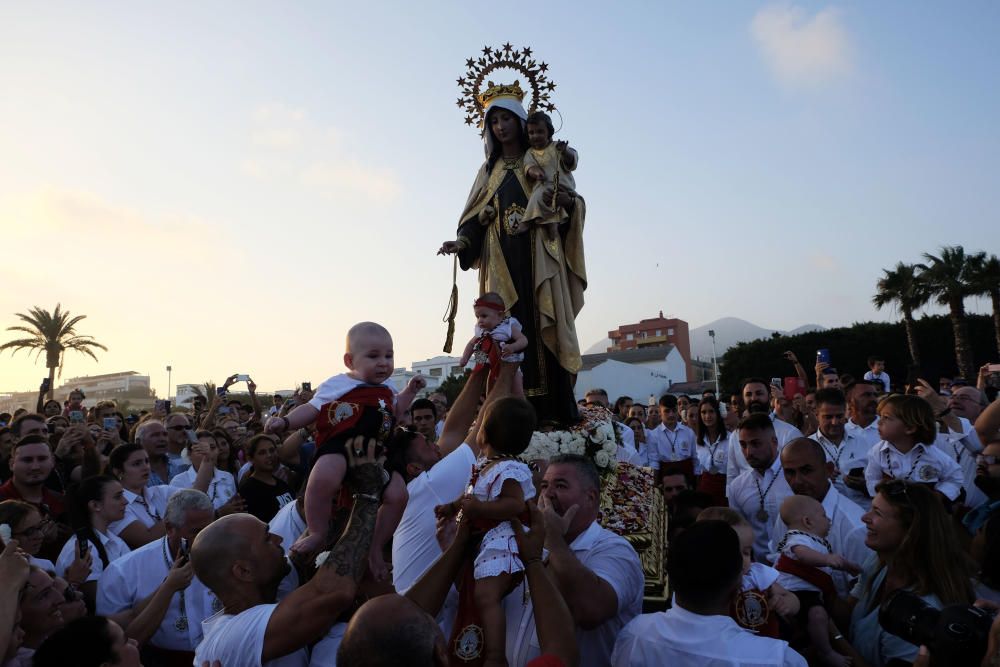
672	440
181	624
837	449
712	448
762	513
511	163
912	467
816	538
958	453
153	514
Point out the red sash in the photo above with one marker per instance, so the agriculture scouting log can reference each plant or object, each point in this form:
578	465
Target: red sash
467	643
751	611
714	484
491	349
343	413
809	574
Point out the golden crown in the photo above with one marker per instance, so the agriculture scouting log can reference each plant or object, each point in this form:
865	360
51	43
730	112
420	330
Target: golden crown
494	91
475	98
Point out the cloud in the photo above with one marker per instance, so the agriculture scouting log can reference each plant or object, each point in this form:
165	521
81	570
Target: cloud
802	51
288	147
824	262
351	176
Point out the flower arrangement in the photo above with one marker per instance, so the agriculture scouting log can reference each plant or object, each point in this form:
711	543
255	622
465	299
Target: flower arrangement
594	436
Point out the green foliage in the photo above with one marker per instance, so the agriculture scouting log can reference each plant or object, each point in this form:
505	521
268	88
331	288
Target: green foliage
850	347
452	387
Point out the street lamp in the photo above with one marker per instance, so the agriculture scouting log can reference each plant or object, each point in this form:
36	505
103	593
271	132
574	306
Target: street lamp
169	369
715	360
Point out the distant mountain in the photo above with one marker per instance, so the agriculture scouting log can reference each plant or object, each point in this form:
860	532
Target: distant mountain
732	330
728	332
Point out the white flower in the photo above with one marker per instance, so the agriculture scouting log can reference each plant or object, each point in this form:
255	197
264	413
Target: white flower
5	533
601	459
610	448
320	559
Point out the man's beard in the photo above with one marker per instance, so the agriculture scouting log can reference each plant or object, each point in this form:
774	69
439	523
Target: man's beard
988	485
758	408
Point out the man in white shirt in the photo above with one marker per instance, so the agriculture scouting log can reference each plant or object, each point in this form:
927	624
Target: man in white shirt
705	569
808	472
862	404
673	444
435	474
757	493
175	621
757	399
597	572
243	564
846	450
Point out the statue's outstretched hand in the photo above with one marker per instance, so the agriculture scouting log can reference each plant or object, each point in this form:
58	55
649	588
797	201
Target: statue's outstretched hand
448	248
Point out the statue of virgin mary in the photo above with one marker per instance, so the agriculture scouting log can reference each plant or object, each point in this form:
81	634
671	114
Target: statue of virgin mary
538	270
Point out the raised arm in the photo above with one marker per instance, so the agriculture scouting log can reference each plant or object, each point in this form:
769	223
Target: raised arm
308	612
405	397
145	622
988	422
456	425
258	414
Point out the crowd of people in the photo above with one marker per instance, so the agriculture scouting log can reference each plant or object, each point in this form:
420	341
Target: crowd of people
361	526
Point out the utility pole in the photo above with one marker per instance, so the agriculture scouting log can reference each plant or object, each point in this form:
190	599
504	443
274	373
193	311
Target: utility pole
169	369
715	361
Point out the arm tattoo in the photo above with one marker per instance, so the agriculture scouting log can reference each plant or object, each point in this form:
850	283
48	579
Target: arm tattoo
351	551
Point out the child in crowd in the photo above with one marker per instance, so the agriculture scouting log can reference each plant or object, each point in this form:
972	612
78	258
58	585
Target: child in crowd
498	338
760	593
674	442
497	492
547	162
359	402
908	430
876	371
804	563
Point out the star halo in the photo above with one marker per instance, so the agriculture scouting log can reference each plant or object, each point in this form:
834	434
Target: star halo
504	57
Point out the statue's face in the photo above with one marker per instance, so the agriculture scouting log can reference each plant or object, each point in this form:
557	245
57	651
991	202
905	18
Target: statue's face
538	135
504	126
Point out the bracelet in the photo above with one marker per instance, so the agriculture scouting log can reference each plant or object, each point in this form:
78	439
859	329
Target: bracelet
529	561
838	637
366	496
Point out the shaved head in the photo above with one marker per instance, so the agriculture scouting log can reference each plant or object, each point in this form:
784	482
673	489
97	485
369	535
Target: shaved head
793	508
806	447
218	546
364	331
392	631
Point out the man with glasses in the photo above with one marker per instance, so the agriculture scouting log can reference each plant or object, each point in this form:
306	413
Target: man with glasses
153	438
988	481
177	426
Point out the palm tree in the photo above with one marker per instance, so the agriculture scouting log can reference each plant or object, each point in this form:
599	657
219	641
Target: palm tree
52	333
903	287
948	277
986	281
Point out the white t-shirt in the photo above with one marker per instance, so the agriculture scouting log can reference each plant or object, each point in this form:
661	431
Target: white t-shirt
220	489
922	464
113	545
759	577
678	637
288	524
239	640
790	582
338	385
736	463
882	377
611	558
414	544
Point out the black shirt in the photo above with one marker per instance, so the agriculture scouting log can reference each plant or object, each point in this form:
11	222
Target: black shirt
264	500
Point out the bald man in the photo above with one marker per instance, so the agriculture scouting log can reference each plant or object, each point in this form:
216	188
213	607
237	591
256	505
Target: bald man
807	471
243	563
392	630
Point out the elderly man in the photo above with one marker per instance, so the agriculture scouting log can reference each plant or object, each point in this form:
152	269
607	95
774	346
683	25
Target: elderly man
988	481
244	564
846	450
808	469
757	492
597	572
177	426
157	578
152	436
756	400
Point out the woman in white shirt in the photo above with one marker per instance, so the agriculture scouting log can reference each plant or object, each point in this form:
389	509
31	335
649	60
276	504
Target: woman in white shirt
713	450
143	520
223	485
96	503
